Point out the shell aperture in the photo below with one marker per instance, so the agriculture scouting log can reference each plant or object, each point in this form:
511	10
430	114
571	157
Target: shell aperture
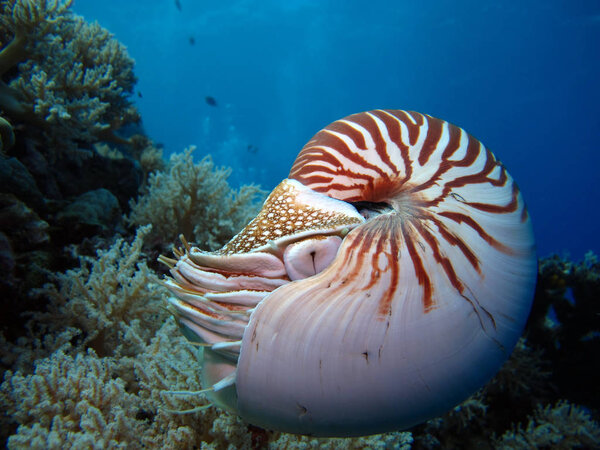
381	284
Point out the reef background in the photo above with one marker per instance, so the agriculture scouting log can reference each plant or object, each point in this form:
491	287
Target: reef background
87	202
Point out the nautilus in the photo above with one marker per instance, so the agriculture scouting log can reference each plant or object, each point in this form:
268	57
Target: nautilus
383	282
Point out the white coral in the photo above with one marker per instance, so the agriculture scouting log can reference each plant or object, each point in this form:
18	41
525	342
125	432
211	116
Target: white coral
194	199
560	426
69	78
69	401
114	298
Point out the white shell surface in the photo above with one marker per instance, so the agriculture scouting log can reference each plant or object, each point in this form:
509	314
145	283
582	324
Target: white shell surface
319	357
423	302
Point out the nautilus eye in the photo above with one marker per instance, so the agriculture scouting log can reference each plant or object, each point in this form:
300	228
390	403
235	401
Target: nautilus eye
381	284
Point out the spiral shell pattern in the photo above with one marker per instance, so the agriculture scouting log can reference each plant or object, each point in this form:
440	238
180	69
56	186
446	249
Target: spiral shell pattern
382	283
444	183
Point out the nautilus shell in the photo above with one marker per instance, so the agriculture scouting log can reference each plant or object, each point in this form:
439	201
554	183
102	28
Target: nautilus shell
383	282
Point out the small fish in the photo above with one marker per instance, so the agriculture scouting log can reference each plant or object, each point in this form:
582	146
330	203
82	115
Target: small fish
192	40
210	100
140	94
252	148
178	4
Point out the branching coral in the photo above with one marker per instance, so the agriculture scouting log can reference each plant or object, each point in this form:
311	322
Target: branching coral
72	79
69	401
396	440
525	374
194	199
562	426
113	298
78	398
26	20
85	401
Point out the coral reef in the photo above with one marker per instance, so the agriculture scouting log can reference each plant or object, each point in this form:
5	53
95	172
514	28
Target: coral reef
521	382
98	384
82	401
562	426
69	78
22	185
564	322
85	401
69	401
97	368
113	298
64	86
92	213
194	199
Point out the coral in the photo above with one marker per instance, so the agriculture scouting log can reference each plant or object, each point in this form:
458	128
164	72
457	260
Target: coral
564	323
82	401
93	213
459	427
69	401
504	399
194	199
24	227
22	184
151	159
395	440
113	298
62	75
523	374
107	151
24	236
64	85
562	426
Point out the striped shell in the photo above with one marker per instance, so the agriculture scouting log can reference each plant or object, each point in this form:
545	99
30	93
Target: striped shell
383	282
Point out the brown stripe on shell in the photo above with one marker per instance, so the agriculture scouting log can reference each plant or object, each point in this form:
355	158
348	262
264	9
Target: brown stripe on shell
392	184
432	140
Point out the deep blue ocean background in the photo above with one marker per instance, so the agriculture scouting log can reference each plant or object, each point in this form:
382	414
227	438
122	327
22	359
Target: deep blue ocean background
523	77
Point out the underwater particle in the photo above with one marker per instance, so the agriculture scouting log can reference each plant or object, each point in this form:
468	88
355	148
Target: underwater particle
210	100
192	40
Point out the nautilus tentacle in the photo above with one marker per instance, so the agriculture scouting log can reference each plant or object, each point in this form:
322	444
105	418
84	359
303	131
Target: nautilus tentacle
382	283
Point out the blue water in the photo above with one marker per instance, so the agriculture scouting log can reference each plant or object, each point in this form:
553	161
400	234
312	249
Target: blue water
520	76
